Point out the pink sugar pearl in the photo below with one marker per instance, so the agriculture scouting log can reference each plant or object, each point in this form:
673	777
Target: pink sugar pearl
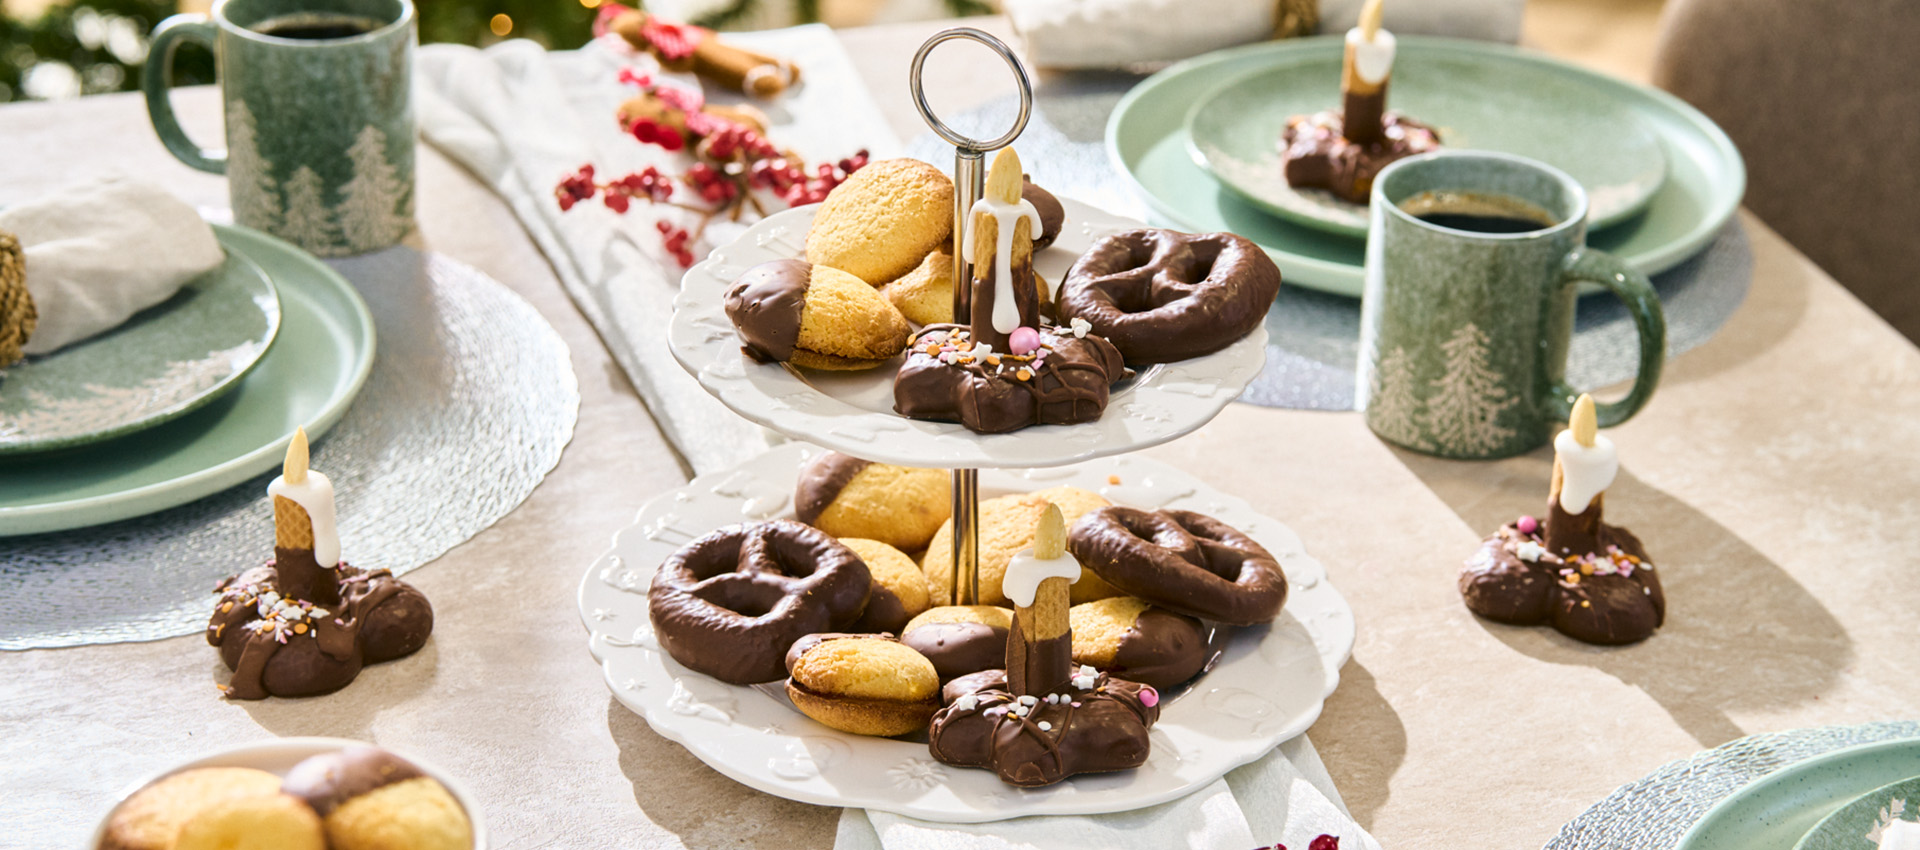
1527	525
1024	340
1149	697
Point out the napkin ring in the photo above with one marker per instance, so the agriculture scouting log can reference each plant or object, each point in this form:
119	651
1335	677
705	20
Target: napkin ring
17	315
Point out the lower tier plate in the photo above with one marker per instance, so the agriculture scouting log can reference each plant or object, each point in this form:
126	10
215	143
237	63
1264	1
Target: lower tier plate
1268	686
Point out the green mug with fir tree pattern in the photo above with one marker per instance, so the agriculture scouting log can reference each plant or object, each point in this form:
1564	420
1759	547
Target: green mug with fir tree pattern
319	116
1474	261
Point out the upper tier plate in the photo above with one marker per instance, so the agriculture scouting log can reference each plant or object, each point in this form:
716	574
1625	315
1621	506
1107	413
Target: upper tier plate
1268	686
852	412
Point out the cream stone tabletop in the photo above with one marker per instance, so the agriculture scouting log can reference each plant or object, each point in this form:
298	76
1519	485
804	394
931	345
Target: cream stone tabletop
1775	478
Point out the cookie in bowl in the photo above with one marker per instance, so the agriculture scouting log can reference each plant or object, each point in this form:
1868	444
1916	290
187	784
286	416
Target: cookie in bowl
814	316
863	684
371	799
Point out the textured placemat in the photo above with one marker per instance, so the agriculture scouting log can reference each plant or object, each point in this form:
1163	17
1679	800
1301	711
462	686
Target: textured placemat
1654	812
471	399
1314	337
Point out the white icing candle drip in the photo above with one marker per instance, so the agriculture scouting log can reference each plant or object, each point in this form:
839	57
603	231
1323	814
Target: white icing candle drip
315	495
1006	311
1585	471
1900	835
1372	60
1025	572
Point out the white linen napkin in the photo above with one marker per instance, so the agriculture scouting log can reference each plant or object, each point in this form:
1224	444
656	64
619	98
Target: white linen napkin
1284	798
101	250
1118	33
522	118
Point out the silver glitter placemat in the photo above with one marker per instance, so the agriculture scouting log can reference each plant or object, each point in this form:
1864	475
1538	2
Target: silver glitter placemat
1653	813
1314	337
471	400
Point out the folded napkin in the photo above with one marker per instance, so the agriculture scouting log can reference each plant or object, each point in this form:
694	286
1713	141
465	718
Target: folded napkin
1118	33
100	251
1285	798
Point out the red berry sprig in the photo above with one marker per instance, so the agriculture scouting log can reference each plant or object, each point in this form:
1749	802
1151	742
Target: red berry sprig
731	163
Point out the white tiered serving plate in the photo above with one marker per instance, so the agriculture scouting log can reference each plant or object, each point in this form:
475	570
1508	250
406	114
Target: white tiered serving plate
852	412
1268	686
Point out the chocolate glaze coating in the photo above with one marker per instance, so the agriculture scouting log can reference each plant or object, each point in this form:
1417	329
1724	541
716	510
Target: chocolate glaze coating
731	603
1317	156
1162	649
1053	216
959	649
764	305
293	650
1161	295
1500	585
329	780
884	613
1183	561
1071	385
821	481
1096	730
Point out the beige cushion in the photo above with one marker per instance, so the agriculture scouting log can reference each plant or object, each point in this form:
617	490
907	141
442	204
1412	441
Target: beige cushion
1823	100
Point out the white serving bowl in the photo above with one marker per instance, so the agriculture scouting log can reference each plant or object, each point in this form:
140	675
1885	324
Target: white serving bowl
279	755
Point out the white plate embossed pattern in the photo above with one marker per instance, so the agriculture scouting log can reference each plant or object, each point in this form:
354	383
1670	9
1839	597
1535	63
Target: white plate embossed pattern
853	411
1268	687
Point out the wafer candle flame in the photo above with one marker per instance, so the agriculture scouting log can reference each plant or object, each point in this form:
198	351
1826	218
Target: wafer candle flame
1586	460
311	490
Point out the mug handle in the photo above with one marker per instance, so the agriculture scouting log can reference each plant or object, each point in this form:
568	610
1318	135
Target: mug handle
1632	287
158	80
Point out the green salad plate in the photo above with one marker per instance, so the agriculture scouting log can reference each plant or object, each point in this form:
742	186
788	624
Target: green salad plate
1857	825
1782	808
318	362
1586	126
164	362
1148	140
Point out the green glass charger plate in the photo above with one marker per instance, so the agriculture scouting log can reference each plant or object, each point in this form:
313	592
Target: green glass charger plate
1147	140
164	362
318	363
1589	129
1777	811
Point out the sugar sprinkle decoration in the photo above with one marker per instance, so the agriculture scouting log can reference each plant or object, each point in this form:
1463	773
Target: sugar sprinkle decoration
966	702
1080	327
1045	726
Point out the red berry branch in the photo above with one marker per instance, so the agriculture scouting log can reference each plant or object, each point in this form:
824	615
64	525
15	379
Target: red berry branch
734	168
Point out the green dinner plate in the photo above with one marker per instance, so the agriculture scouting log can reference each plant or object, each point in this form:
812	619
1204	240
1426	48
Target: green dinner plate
1147	140
1585	125
317	364
1857	825
1779	809
166	361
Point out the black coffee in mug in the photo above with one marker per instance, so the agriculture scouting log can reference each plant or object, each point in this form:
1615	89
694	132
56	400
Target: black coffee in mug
309	26
1476	212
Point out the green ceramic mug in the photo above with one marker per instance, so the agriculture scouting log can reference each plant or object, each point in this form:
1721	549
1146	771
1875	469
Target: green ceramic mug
1464	332
319	115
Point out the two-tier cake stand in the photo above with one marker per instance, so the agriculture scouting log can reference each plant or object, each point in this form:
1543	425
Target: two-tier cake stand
1267	685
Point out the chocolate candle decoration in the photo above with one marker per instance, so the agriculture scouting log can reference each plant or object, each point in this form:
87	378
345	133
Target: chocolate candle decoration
1000	243
1574	512
295	548
1363	77
1039	646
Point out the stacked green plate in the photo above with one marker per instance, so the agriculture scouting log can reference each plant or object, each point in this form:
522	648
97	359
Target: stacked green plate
318	361
1520	101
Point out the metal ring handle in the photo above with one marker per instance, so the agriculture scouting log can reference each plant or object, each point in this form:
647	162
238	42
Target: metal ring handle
1020	77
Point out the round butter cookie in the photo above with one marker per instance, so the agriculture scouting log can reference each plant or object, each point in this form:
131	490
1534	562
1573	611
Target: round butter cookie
864	684
883	220
813	316
265	822
899	588
1006	527
151	819
900	506
1130	639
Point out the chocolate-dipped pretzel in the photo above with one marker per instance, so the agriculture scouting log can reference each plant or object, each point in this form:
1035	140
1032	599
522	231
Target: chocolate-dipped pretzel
731	603
1161	295
1182	561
